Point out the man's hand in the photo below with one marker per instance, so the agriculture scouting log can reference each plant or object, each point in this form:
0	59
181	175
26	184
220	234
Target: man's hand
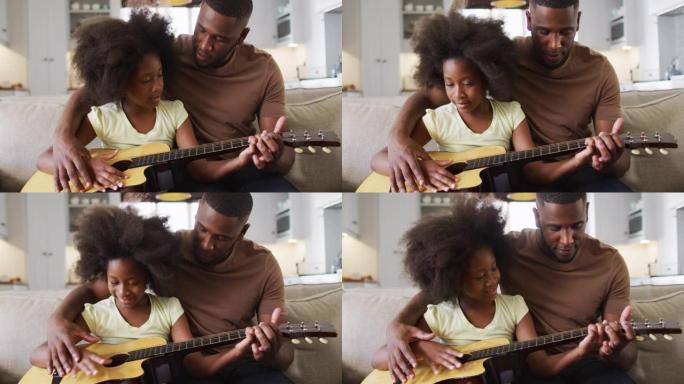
270	144
267	338
71	161
608	148
439	178
401	359
62	350
89	363
438	355
613	340
106	176
246	155
591	343
403	156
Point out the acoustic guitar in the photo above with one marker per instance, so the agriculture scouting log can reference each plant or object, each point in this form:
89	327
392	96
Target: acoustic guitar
469	165
476	354
128	358
138	162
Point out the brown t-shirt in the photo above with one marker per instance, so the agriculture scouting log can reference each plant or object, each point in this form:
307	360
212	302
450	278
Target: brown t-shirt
560	103
226	296
223	102
565	296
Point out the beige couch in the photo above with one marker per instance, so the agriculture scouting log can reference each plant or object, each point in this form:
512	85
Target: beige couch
367	122
27	125
23	315
366	312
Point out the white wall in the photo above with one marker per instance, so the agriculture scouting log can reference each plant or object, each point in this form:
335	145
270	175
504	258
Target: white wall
351	43
13	64
360	254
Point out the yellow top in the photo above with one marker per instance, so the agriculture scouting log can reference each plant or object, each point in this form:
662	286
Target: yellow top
105	320
115	130
448	322
451	133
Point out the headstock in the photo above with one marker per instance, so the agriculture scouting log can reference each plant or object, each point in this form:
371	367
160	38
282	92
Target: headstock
652	328
306	330
648	141
306	139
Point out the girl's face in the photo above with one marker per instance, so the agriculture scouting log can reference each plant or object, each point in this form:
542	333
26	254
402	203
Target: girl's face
127	282
464	84
482	277
147	82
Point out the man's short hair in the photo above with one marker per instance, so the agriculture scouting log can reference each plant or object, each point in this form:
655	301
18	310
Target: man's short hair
230	204
555	3
239	9
560	197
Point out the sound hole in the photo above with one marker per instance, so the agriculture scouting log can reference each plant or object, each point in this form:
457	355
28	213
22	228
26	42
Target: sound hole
122	165
456	168
117	360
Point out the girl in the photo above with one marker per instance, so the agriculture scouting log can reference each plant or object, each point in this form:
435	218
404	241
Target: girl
455	260
473	60
123	66
133	254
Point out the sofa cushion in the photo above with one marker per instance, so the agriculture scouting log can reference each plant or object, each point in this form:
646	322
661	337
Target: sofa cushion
318	172
657	173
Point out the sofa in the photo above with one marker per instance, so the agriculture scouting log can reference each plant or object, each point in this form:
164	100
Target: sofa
367	122
367	311
27	125
23	315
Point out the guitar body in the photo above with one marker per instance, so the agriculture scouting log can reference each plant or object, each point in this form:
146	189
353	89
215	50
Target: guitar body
44	182
467	180
125	371
470	373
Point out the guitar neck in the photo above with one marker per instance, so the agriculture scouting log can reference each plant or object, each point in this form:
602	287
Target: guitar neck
536	153
196	344
194	153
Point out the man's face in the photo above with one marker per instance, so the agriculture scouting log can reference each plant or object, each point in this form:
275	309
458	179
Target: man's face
553	33
215	235
562	227
216	37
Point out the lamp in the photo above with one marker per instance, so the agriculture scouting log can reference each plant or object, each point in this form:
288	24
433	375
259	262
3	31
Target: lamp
174	3
508	3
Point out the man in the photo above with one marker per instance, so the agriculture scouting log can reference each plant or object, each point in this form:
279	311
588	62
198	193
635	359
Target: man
562	86
222	281
223	83
568	281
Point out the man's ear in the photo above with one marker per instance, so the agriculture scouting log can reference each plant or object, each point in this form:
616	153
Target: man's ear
244	230
586	212
579	16
243	35
528	14
536	217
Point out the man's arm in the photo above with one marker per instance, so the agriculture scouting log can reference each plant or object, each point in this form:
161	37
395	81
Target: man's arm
68	154
402	152
62	327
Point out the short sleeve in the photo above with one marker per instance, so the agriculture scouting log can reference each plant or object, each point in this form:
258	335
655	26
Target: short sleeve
431	123
179	113
273	104
95	116
172	309
516	115
434	318
608	106
274	289
618	294
519	308
89	314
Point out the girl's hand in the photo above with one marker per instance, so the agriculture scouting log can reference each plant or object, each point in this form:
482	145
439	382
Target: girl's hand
438	355
439	178
106	176
89	363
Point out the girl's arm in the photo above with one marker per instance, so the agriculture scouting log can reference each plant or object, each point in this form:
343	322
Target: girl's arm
208	171
438	177
200	365
539	172
543	365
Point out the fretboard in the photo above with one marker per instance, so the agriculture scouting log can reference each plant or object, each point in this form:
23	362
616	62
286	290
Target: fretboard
200	151
530	345
536	153
188	346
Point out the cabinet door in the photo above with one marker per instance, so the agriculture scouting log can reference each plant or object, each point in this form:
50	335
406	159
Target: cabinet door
595	25
3	215
397	213
262	24
300	15
48	32
46	240
380	47
262	221
4	22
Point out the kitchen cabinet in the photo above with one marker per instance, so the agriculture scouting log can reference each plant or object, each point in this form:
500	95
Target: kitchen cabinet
380	47
608	216
594	29
262	32
262	221
4	22
48	30
350	214
412	11
3	215
46	236
292	22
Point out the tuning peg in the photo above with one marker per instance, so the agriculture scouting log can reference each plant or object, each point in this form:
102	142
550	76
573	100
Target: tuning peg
327	150
323	340
664	151
308	340
312	149
640	338
296	341
299	150
648	150
667	337
653	337
636	152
